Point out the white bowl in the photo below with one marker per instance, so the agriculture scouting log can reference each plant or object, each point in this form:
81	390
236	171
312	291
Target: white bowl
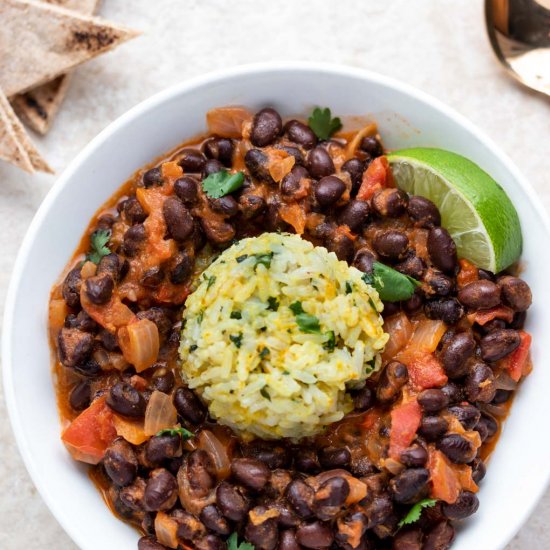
519	468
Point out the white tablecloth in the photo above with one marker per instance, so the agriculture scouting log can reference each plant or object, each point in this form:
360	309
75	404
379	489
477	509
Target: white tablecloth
438	46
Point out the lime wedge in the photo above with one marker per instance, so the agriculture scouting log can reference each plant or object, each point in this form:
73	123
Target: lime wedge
474	208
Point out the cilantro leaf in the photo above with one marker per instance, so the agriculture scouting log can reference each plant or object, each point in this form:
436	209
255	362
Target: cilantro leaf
322	123
349	288
263	259
391	285
306	323
272	303
185	434
264	352
414	513
242	258
222	183
265	394
236	315
233	543
296	308
98	245
330	344
237	339
211	280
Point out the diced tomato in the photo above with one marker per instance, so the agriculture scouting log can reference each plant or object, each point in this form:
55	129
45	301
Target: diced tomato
130	430
90	433
516	361
468	273
405	421
464	474
294	215
112	315
445	483
376	177
483	316
171	170
425	371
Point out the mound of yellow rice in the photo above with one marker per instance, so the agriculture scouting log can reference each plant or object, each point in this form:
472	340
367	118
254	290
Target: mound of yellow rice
275	332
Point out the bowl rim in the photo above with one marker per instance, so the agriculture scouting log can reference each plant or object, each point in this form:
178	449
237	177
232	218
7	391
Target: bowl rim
256	69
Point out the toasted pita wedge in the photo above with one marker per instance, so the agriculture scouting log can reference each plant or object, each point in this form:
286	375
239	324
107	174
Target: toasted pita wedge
38	107
15	145
39	42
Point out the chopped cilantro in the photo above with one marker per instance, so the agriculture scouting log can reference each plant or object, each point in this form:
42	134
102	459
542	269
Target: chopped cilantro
414	513
192	348
236	315
233	543
263	259
306	323
273	303
237	339
322	123
211	280
264	352
200	317
349	289
391	285
98	245
296	308
222	183
242	258
265	394
330	344
185	434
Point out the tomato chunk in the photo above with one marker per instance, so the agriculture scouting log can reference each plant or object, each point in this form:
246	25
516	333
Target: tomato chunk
483	316
448	479
405	421
425	371
516	361
90	433
376	177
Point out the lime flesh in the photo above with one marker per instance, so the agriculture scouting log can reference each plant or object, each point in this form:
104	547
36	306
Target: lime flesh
474	208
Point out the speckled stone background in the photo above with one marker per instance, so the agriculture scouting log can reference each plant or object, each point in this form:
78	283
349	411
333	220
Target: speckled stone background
438	46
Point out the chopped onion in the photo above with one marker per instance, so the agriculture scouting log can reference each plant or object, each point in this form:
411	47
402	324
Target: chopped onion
56	316
393	466
400	330
279	167
495	410
88	270
166	530
139	342
209	442
368	130
427	335
131	430
160	413
504	382
227	121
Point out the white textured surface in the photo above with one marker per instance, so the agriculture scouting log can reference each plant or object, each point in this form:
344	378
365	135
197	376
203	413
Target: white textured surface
439	47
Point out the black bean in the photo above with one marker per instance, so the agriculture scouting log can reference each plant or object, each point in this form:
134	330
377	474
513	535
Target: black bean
287	540
113	265
220	149
350	530
82	322
120	462
264	535
158	316
88	368
74	346
412	265
301	497
179	220
372	146
105	221
161	491
315	535
226	205
423	211
306	460
189	528
453	392
213	520
300	133
334	457
364	259
413	304
515	293
363	398
200	472
440	537
394	376
409	484
465	505
319	163
339	243
329	190
152	277
153	177
251	205
132	496
126	400
361	466
433	427
457	448
480	383
438	282
189	406
391	244
230	502
490	423
448	310
186	189
499	344
79	399
211	166
478	470
191	160
330	497
217	231
502	396
442	249
274	456
408	539
293	152
71	288
467	414
390	202
455	354
432	400
251	473
480	294
162	379
290	184
132	240
132	211
149	543
209	542
266	127
257	163
492	326
354	167
414	456
518	321
181	269
355	215
99	288
162	447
